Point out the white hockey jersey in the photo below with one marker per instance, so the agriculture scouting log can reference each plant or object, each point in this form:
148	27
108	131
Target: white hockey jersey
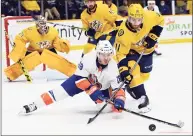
156	9
107	77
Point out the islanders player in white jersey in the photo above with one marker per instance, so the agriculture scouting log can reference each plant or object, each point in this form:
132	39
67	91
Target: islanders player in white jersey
98	77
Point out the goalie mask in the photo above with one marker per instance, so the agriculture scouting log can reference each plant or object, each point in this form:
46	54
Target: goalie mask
41	25
104	52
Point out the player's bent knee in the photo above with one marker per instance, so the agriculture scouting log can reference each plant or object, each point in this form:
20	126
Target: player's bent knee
137	79
57	62
30	62
58	93
145	76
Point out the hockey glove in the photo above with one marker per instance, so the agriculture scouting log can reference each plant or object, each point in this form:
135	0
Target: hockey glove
119	101
91	32
125	75
95	94
150	41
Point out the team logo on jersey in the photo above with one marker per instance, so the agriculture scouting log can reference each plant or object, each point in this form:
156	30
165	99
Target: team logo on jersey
44	44
21	34
112	12
80	65
141	42
119	79
121	32
96	25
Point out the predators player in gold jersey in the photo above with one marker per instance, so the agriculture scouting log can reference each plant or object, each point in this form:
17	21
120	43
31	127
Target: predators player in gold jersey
43	42
100	23
141	30
111	5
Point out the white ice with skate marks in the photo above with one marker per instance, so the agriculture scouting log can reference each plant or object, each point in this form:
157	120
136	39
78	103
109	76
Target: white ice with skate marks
169	90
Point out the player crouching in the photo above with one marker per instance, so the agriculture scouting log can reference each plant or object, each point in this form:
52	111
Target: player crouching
97	77
43	42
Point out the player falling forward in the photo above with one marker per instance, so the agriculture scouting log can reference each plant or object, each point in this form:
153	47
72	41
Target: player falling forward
153	7
98	78
43	42
100	23
141	30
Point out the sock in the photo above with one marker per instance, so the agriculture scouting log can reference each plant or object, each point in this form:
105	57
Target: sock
139	91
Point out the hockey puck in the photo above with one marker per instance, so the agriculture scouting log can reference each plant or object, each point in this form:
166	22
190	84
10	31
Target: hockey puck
152	127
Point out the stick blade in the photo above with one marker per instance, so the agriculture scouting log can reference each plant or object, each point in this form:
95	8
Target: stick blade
90	120
180	124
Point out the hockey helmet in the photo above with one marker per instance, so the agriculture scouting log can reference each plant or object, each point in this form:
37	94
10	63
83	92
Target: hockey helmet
136	11
41	24
104	51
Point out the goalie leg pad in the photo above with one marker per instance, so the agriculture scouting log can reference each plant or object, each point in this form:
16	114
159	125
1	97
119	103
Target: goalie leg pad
57	62
30	62
17	53
13	72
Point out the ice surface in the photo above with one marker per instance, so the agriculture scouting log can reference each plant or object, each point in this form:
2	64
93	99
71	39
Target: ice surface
169	90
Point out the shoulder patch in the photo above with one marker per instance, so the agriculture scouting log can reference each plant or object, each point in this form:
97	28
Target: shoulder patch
80	65
121	32
29	28
112	12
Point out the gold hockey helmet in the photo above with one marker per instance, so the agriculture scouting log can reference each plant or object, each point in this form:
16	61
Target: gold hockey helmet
135	11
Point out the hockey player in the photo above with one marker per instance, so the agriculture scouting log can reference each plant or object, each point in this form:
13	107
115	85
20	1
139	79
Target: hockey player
153	7
111	5
100	23
98	77
141	30
43	42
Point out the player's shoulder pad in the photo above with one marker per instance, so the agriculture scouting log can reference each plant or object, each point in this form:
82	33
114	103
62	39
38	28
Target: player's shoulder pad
113	68
151	14
29	30
91	56
121	30
84	13
53	30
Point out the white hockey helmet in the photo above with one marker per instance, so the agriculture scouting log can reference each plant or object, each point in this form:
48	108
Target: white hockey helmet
104	51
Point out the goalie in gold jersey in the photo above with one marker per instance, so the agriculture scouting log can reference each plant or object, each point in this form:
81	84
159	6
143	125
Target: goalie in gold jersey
43	42
100	23
141	30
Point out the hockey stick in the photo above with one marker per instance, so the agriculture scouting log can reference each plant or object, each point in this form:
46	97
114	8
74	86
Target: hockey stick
98	113
84	29
20	62
71	26
180	124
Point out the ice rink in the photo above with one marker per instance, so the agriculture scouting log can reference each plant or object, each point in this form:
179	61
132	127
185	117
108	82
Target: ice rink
169	89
